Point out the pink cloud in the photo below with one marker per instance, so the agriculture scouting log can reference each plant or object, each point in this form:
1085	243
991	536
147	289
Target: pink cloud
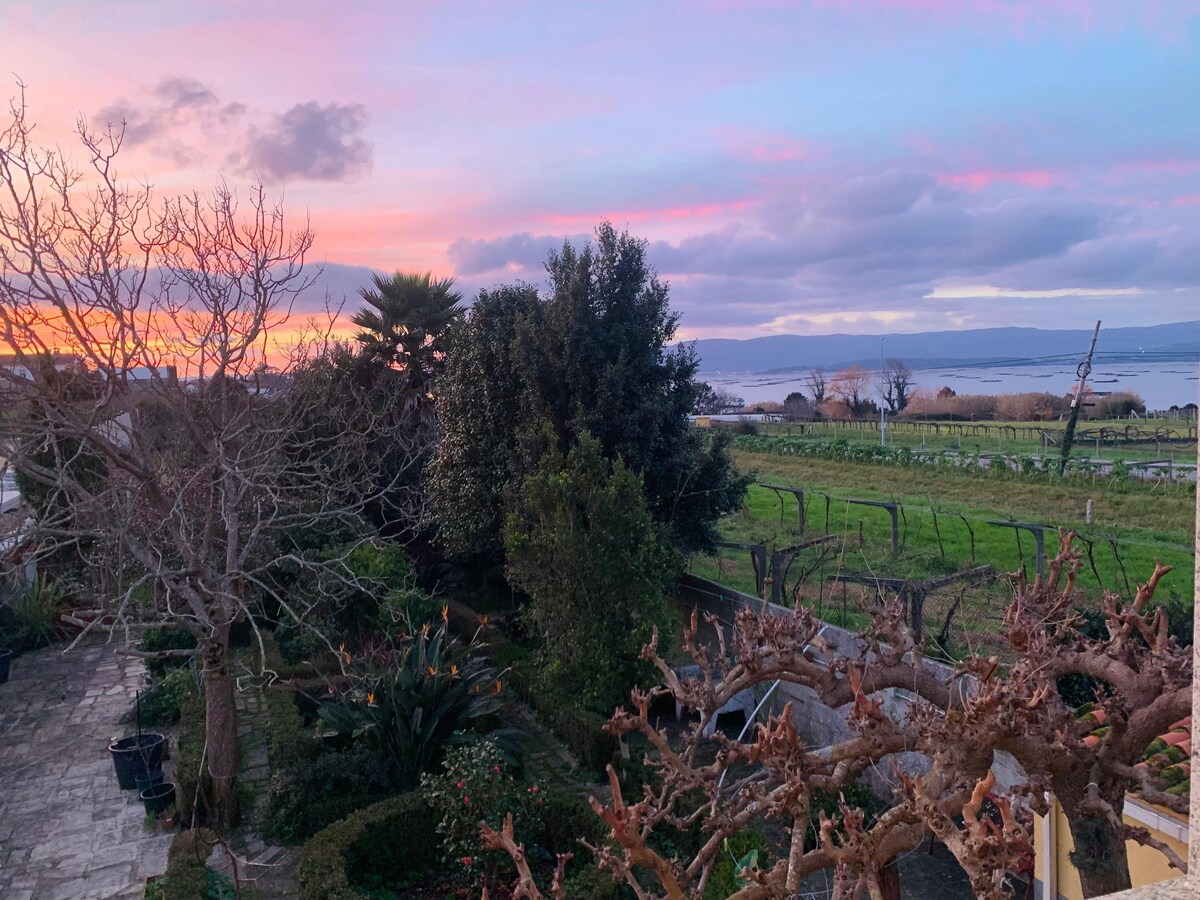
979	179
769	146
651	214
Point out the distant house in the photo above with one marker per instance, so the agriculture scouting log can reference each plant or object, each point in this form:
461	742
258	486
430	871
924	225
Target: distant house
63	362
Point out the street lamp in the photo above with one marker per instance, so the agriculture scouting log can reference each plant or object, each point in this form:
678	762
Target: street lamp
882	389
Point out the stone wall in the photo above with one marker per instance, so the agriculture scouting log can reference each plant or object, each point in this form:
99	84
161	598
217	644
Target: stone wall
819	725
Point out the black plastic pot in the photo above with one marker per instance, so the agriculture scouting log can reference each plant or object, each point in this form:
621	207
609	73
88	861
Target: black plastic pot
5	660
140	754
149	780
158	798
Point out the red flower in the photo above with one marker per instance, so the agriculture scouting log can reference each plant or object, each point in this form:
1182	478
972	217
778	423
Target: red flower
466	860
466	800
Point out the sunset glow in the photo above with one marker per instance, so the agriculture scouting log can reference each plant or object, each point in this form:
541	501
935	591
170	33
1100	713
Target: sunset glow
809	166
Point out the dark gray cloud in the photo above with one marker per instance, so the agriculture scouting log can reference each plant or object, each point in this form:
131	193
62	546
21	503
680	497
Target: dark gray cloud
522	251
141	126
310	142
867	196
884	243
181	118
181	93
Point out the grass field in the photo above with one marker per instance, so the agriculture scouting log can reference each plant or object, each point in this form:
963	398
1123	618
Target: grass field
1108	439
1133	525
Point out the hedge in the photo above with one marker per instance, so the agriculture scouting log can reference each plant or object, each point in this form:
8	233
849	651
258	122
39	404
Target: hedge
185	878
389	839
289	744
192	778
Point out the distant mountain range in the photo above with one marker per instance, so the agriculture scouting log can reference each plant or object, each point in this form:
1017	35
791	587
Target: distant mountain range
1178	342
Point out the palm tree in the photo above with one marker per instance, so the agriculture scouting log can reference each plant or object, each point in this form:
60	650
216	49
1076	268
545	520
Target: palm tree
402	330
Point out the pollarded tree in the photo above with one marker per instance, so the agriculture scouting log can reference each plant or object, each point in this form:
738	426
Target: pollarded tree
591	356
958	725
184	473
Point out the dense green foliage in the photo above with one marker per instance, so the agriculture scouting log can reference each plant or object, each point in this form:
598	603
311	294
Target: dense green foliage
476	785
582	544
155	640
324	789
409	713
31	620
192	782
388	840
528	374
744	850
161	704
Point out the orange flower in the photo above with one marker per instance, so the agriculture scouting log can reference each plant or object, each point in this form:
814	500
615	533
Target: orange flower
483	619
425	630
445	611
430	670
499	685
453	669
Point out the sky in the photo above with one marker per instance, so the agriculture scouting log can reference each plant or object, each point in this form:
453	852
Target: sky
796	167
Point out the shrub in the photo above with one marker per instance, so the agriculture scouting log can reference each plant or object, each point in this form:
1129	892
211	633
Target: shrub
192	778
409	714
313	795
583	545
744	850
389	840
32	616
289	745
185	877
477	787
591	883
156	639
406	608
300	643
161	704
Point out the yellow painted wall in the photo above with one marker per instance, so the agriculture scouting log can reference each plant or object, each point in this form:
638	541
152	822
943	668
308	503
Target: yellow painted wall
1146	866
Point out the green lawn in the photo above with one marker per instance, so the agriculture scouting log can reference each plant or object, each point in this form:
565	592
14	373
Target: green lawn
1133	525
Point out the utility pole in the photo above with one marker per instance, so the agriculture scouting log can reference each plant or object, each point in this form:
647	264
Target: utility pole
882	392
1085	369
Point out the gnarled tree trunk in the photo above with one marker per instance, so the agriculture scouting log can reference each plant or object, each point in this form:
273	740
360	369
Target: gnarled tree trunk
1100	855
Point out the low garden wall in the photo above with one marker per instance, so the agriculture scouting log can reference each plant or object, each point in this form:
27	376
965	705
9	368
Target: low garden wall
819	725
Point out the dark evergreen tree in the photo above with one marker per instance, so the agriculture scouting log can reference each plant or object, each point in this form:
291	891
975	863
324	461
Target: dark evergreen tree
526	375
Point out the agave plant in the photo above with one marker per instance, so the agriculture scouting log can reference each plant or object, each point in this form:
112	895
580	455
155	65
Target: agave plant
434	690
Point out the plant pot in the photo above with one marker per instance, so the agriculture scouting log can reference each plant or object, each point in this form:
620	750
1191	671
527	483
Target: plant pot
5	660
149	780
136	755
158	798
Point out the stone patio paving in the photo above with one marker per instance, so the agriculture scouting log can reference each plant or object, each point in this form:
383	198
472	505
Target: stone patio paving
66	829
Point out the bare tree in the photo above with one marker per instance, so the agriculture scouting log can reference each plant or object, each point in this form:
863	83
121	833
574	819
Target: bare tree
851	386
897	384
182	456
723	785
815	381
710	401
